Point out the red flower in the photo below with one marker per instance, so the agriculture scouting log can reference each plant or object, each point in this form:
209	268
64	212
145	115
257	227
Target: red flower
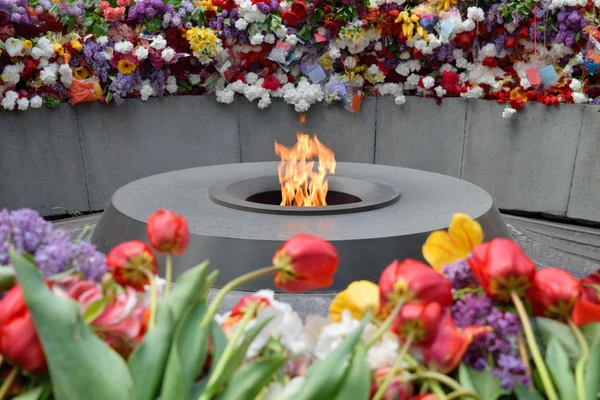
131	263
271	83
305	262
332	27
413	281
587	308
425	396
490	62
510	42
517	103
464	40
420	320
299	9
104	5
168	232
449	346
19	342
398	389
500	267
523	32
290	18
238	311
553	293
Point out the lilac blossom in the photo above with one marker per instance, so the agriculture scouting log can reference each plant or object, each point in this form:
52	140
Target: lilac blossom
123	85
93	54
459	273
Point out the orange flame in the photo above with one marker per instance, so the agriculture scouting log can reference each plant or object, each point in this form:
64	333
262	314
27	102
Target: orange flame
300	184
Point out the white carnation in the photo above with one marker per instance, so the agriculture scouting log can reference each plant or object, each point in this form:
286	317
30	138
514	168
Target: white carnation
508	113
580	98
102	40
241	24
158	43
48	74
291	39
428	82
10	100
225	96
194	79
147	90
141	53
399	100
36	102
257	38
11	74
475	13
171	84
23	104
168	54
66	75
576	85
123	47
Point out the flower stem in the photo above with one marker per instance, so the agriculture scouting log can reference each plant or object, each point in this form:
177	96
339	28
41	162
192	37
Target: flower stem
524	356
228	352
153	300
437	389
533	348
462	393
390	376
168	274
580	367
445	379
385	326
214	305
8	382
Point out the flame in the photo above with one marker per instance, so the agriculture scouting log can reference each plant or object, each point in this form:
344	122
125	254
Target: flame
300	184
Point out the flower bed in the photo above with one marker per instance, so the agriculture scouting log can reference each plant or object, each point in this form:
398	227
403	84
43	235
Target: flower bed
478	322
511	52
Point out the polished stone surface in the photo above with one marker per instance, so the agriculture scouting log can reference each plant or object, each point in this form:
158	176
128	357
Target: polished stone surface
240	241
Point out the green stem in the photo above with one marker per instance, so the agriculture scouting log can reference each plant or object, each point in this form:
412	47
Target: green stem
168	274
533	348
8	382
437	389
153	299
385	326
214	305
84	232
228	352
390	376
436	376
462	393
580	367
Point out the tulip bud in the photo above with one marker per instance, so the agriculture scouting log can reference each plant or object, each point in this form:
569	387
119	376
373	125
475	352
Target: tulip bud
501	267
168	232
413	281
131	264
420	320
399	389
553	293
305	262
587	307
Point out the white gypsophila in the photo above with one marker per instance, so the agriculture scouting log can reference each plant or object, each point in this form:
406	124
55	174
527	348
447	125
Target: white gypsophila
22	104
440	91
384	352
158	43
147	90
257	38
171	85
580	98
576	85
36	102
66	75
194	79
276	391
42	49
11	74
241	24
14	47
412	82
475	13
303	95
102	40
479	73
48	74
10	100
567	70
123	46
473	93
399	100
225	96
508	113
141	53
269	38
168	54
428	82
559	50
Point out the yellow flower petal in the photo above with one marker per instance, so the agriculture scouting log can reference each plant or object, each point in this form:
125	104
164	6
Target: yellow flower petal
466	233
359	298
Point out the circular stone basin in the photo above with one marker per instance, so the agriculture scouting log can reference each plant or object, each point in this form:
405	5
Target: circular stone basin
381	213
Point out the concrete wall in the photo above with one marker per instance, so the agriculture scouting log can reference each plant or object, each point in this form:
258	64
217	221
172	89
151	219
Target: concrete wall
544	159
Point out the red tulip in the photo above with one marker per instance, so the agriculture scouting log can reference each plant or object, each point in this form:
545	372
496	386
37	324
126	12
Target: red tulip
19	342
510	42
305	262
131	264
449	346
299	9
290	18
587	308
464	40
420	320
413	281
238	311
553	293
500	267
168	232
397	390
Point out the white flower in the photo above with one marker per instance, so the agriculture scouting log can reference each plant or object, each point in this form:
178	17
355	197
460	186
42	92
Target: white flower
428	82
171	84
241	24
42	49
102	40
251	78
257	39
467	25
269	38
475	13
160	290
225	96
158	43
48	74
440	91
168	54
508	112
575	85
108	52
384	352
147	90
374	74
11	74
291	39
378	46
14	47
473	93
194	79
489	50
66	75
123	47
10	99
276	391
303	95
264	102
36	102
412	82
334	52
580	98
141	53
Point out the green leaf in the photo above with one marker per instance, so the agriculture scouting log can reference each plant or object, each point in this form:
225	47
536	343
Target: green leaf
219	342
592	373
99	29
7	278
249	380
73	353
558	364
95	309
324	377
550	328
487	385
524	394
33	394
357	381
465	378
591	332
198	388
147	362
109	97
188	289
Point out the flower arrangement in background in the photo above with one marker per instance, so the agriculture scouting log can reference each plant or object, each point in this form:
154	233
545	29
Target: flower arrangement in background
340	51
482	323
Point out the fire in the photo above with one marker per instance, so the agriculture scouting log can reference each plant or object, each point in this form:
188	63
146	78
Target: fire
301	185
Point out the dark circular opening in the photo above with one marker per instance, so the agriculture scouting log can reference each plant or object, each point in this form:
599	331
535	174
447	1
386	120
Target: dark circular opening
333	198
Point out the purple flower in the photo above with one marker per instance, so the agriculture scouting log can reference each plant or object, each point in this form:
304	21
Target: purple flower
123	85
459	274
509	370
54	258
88	261
27	231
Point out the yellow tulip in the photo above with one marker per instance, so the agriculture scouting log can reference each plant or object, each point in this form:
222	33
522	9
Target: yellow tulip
443	248
58	49
359	298
76	45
